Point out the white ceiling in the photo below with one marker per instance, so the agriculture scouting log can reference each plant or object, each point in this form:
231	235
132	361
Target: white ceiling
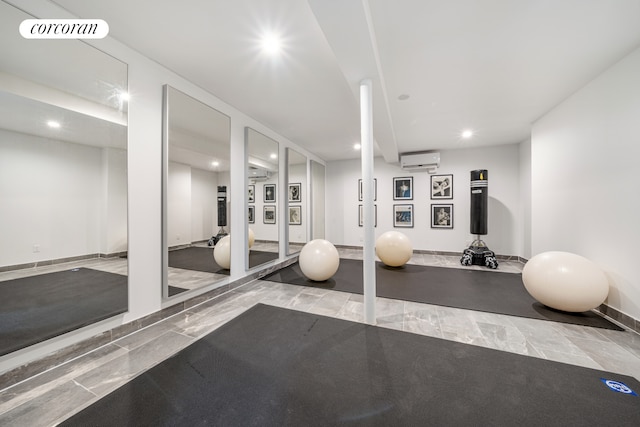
494	66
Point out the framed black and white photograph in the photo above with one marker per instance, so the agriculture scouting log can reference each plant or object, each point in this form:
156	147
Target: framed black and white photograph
295	215
294	193
269	215
361	215
251	194
442	216
269	193
403	215
441	187
375	189
403	188
252	214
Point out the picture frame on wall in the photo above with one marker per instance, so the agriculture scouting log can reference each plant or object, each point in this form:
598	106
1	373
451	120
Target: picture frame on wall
269	193
441	187
269	216
375	189
403	215
403	188
361	216
295	194
442	216
295	215
251	194
252	214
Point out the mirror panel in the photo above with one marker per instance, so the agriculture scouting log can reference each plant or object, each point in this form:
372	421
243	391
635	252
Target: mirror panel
63	186
196	184
317	200
297	201
262	198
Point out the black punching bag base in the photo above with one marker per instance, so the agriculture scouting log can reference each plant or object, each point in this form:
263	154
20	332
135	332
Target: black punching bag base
479	254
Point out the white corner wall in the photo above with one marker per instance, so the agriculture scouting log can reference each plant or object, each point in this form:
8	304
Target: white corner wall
584	157
505	225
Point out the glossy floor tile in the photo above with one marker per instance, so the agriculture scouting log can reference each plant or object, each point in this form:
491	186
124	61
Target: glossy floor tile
53	396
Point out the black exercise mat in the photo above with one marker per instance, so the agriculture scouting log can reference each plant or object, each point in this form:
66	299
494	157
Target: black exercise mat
277	367
36	308
174	290
490	291
201	259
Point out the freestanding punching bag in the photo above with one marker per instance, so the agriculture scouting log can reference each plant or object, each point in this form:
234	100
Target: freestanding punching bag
222	215
478	253
479	201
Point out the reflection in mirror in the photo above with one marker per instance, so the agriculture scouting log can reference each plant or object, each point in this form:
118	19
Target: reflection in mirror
195	188
317	200
297	201
63	186
262	198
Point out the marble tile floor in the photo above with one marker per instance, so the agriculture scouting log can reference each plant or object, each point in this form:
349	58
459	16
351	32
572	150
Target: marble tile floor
53	396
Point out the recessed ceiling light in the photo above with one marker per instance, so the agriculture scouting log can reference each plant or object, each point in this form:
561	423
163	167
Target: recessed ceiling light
215	163
357	146
53	124
124	96
273	156
271	43
467	133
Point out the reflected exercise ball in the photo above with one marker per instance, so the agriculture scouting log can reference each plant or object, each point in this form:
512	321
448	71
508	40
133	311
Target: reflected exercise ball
394	248
319	260
222	252
252	238
565	281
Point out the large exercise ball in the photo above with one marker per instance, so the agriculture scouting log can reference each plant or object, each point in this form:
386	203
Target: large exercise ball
319	260
222	252
252	238
565	281
394	248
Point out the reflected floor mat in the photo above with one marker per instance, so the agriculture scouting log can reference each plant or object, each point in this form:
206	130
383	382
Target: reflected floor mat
277	367
36	308
201	259
490	291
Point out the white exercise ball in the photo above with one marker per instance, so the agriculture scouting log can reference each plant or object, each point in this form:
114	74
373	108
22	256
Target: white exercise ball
394	248
222	252
319	260
565	281
252	238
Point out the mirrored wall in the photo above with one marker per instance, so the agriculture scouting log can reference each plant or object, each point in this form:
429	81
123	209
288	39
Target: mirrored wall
297	201
63	186
196	185
317	200
262	199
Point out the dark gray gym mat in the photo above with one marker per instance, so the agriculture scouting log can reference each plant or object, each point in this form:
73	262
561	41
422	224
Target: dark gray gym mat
277	367
201	259
490	291
36	308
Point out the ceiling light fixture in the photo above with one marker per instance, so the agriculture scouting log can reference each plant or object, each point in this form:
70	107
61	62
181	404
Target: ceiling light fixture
53	124
273	156
215	164
271	44
357	146
466	134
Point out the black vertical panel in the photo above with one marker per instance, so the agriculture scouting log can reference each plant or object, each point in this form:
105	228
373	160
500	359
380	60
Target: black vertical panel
479	201
222	205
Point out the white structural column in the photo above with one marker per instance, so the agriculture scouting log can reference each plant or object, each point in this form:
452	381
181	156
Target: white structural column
369	262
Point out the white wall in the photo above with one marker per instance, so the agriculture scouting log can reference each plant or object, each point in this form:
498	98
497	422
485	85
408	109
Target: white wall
62	197
584	156
505	226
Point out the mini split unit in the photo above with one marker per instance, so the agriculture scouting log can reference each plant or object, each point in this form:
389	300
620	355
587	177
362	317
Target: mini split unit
420	161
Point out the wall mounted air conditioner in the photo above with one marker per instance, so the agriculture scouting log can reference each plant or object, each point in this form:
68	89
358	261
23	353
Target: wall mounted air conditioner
258	174
420	161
